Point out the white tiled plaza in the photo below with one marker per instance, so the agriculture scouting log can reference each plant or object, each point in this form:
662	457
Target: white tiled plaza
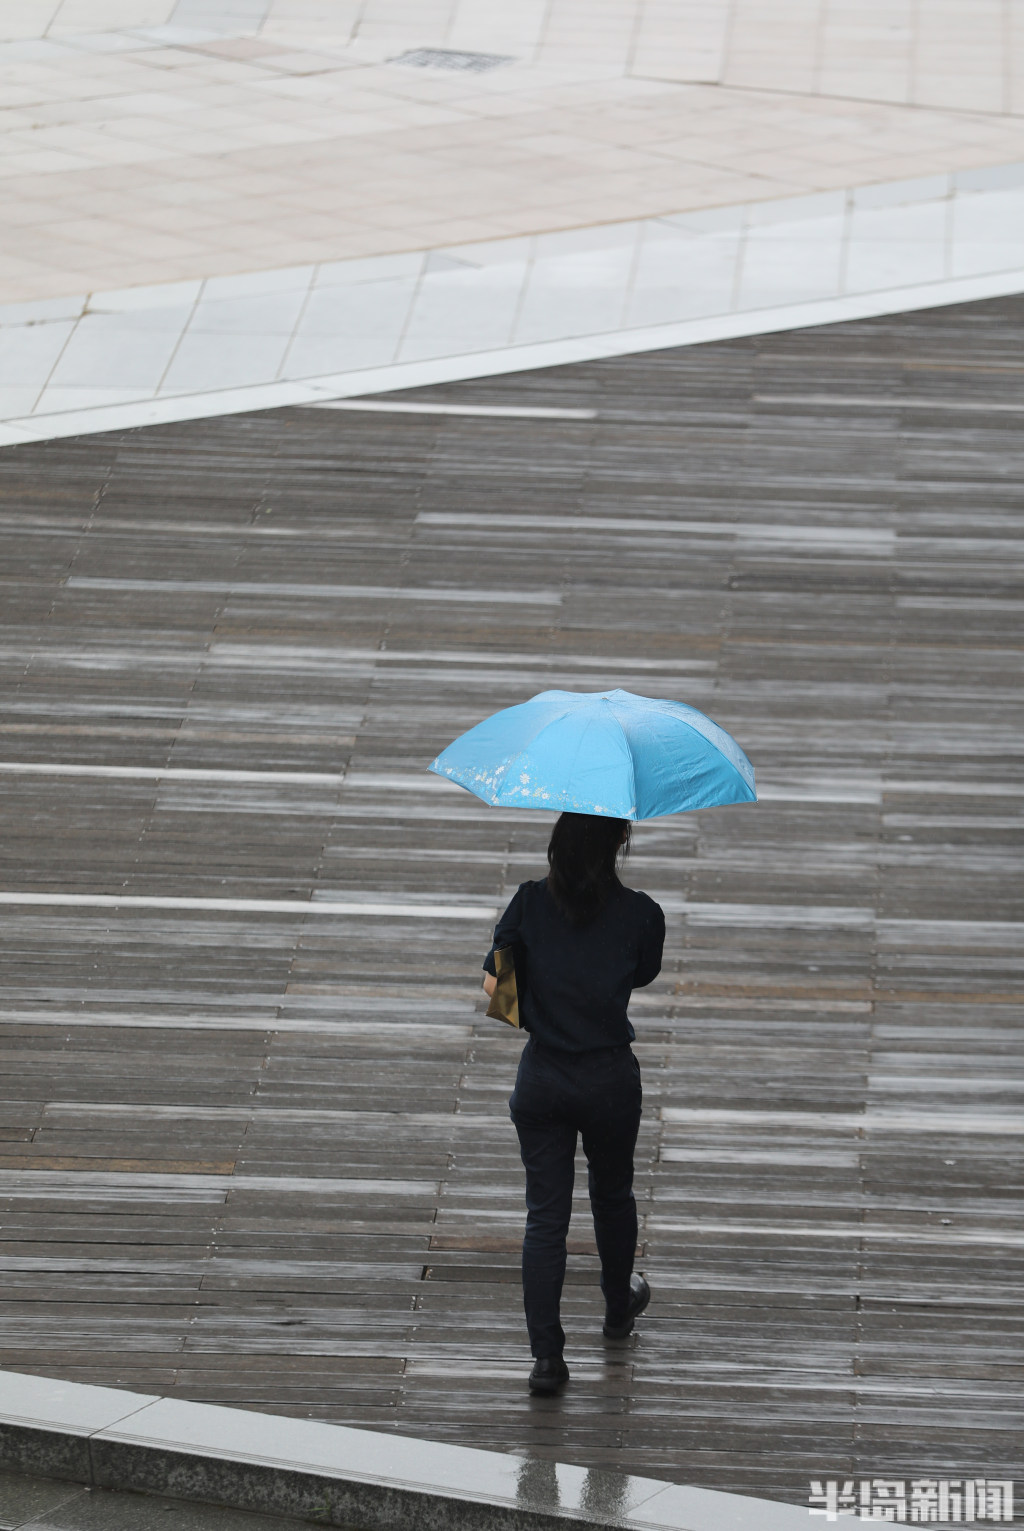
213	205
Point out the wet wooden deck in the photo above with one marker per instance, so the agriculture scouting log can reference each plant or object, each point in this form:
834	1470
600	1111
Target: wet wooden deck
262	1156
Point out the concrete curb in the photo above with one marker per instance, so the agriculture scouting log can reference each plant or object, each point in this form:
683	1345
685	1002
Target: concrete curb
360	1479
367	382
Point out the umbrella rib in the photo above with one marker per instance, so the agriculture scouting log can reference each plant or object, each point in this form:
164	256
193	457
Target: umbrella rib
629	757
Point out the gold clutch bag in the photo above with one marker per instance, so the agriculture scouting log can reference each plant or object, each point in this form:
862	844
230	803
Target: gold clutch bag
504	1005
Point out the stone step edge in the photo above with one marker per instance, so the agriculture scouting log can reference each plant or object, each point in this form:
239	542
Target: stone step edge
364	1480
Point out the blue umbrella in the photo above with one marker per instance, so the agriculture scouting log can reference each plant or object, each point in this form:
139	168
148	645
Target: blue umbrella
606	752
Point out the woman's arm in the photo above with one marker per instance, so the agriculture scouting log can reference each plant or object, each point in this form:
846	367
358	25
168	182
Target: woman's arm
504	933
652	941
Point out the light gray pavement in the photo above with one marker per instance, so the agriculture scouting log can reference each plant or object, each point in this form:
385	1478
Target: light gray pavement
148	141
32	1503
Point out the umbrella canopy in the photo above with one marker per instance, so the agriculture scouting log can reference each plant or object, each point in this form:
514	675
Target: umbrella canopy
600	752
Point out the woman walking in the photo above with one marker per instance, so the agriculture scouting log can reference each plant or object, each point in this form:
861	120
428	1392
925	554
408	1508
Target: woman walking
582	942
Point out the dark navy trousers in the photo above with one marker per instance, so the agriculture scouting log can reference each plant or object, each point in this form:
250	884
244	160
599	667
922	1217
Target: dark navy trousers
558	1097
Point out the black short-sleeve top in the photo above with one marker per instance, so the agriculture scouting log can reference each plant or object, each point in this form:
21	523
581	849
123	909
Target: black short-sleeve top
575	982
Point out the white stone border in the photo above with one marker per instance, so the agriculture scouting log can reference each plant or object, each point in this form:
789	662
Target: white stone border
553	353
203	1452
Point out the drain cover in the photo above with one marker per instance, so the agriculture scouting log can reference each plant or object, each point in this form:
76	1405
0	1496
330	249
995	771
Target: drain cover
446	58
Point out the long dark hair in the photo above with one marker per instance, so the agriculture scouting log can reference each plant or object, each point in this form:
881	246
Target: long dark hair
581	857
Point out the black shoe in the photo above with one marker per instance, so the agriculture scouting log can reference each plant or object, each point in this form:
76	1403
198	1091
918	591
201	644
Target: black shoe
549	1375
639	1297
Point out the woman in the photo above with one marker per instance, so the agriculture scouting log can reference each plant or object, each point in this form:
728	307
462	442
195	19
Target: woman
582	942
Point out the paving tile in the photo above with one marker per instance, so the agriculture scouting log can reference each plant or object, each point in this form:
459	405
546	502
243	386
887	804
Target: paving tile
58	397
786	262
678	276
41	1504
23	1500
467	309
133	299
121	350
29	353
